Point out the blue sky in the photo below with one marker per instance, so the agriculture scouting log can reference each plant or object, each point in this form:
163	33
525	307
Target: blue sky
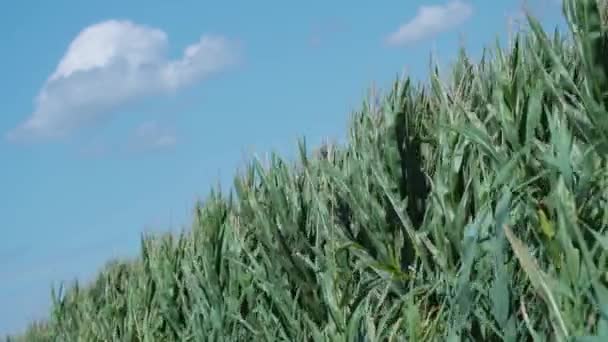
118	115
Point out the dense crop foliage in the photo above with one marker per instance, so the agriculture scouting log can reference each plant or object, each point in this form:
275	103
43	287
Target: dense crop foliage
472	209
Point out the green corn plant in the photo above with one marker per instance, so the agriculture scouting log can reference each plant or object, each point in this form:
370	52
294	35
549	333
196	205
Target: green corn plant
470	207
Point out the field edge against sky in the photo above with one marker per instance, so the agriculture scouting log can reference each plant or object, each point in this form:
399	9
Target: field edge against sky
117	116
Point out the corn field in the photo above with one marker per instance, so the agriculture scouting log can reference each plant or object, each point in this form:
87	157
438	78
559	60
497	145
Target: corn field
471	209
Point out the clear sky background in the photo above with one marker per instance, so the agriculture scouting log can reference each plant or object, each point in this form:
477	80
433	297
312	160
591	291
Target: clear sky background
115	116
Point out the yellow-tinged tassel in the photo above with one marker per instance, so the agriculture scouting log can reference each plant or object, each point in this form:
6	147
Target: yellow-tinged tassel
548	231
546	226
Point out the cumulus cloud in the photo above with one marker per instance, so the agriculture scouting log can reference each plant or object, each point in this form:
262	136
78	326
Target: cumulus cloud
430	21
113	63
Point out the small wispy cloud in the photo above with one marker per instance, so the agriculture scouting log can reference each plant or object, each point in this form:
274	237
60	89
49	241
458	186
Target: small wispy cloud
430	21
112	63
323	31
151	135
94	149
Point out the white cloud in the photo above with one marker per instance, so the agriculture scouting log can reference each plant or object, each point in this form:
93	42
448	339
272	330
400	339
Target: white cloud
94	149
152	135
430	21
112	63
322	32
